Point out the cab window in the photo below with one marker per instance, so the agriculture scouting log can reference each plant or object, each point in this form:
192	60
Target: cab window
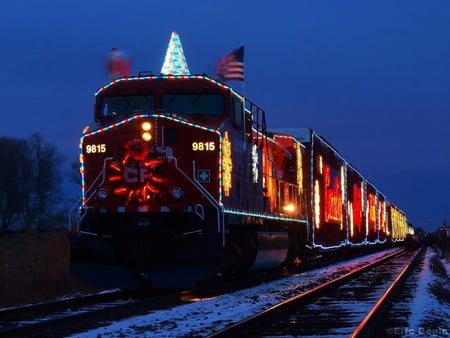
191	104
237	112
126	105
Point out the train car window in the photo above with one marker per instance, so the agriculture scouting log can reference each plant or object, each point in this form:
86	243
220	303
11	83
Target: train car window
191	104
237	112
126	105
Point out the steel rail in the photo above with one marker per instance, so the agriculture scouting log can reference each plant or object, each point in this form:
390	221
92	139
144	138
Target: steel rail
71	317
244	325
368	324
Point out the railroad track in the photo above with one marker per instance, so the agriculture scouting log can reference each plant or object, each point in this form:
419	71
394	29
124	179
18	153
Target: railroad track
65	317
350	305
65	323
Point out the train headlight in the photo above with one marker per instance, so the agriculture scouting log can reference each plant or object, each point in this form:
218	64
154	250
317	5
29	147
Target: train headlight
177	193
146	126
146	134
102	194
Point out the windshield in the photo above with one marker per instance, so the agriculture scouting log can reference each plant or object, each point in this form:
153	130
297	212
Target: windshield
126	105
204	104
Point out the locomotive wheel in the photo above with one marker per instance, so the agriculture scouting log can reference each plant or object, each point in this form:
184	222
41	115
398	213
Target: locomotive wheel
240	250
296	250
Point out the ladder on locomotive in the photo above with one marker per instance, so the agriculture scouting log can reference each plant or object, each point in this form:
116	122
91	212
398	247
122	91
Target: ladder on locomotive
255	120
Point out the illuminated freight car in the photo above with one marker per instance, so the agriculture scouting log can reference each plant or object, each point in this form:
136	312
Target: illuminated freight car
327	187
397	223
345	209
356	206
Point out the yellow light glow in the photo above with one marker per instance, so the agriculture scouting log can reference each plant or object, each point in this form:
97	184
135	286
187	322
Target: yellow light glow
317	204
350	217
146	126
383	216
289	208
399	224
146	136
86	129
227	164
299	169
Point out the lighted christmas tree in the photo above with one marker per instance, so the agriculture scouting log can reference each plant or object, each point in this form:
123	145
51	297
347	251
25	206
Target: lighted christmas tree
175	61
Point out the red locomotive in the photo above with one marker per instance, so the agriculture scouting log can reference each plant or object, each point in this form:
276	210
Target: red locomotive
182	171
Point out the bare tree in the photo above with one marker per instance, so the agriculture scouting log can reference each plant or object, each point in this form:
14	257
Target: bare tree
30	182
74	173
43	186
14	168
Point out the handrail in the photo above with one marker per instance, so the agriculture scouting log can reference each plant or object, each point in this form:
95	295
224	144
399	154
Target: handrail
79	202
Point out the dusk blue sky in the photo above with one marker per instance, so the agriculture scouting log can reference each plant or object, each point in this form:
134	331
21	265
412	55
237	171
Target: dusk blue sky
372	77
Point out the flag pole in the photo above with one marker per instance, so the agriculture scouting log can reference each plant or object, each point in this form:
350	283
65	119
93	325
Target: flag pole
231	67
243	101
243	79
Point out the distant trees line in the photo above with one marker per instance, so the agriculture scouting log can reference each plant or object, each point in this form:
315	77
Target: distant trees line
30	184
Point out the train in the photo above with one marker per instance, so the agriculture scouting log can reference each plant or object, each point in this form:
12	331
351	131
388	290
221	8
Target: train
182	174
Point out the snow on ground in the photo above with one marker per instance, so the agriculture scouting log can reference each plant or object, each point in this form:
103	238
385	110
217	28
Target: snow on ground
446	263
430	310
203	317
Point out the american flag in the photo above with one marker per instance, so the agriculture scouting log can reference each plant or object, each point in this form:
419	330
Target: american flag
231	66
